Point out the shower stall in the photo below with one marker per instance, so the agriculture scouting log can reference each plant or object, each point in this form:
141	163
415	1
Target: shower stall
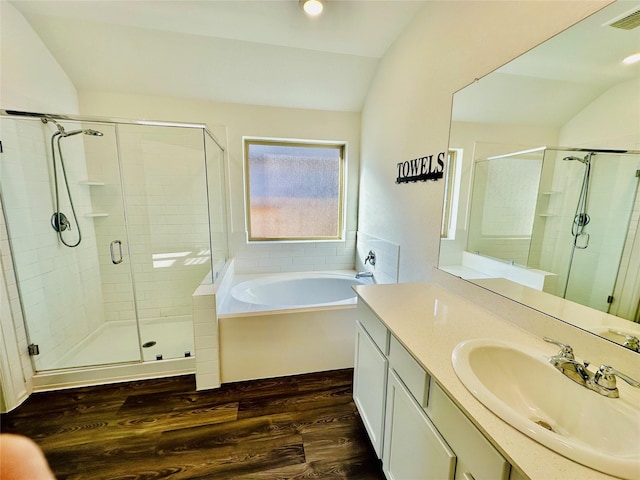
112	226
571	213
586	227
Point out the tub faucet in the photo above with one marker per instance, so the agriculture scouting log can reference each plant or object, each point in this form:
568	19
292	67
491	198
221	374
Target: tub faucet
602	382
364	274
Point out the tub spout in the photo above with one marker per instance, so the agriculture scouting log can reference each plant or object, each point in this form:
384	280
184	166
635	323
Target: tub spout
364	274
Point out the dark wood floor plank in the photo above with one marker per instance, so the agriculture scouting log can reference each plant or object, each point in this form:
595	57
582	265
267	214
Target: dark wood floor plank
322	380
103	458
362	470
294	402
336	443
231	461
297	427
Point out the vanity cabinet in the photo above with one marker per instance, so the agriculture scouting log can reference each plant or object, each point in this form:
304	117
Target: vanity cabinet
413	448
416	429
370	374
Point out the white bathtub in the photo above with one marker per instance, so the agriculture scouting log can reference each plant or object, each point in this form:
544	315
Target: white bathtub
292	290
286	324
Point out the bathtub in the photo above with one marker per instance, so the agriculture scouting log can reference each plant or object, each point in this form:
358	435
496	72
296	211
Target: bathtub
291	290
286	324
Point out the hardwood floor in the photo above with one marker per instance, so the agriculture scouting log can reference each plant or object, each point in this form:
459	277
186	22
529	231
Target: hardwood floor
298	427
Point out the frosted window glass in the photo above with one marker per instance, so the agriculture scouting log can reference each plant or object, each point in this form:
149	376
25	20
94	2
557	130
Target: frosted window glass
294	190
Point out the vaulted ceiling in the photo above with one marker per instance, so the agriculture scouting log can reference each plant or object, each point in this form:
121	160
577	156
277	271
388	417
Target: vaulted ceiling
268	52
265	52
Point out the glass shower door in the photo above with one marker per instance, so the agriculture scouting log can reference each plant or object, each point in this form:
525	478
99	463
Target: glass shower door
166	195
597	254
73	272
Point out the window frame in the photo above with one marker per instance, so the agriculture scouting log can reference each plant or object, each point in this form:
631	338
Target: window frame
288	142
452	178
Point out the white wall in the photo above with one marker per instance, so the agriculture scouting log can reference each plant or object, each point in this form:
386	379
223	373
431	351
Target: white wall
611	121
406	114
32	80
230	122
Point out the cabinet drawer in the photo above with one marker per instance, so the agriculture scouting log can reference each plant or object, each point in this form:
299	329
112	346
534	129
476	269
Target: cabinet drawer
475	452
374	327
410	371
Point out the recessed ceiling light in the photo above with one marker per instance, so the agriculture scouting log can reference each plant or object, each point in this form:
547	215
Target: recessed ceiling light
312	7
631	59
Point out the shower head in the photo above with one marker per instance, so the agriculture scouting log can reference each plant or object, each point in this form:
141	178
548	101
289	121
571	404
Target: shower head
93	133
64	133
584	160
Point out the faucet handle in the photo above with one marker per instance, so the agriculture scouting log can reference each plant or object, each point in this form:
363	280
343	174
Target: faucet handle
606	377
371	258
566	351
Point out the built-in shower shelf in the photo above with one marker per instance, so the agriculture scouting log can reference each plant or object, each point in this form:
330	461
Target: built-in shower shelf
547	214
90	182
96	214
551	192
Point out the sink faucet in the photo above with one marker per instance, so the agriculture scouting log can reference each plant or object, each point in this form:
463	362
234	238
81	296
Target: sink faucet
630	341
566	362
602	382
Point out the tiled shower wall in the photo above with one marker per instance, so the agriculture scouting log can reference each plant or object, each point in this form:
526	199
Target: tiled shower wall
60	286
387	259
166	200
292	257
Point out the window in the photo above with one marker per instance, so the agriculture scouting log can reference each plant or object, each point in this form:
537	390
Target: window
294	190
451	192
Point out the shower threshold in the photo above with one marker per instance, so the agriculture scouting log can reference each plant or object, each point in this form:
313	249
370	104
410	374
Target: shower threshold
80	377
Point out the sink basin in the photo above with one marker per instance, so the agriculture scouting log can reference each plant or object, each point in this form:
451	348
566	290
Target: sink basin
519	385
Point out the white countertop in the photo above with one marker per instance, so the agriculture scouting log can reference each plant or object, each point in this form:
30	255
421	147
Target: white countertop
579	315
430	321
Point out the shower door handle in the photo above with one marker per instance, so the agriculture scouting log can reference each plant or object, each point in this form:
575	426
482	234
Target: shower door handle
113	256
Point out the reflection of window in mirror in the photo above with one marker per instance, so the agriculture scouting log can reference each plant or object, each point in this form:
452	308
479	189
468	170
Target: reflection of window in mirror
452	176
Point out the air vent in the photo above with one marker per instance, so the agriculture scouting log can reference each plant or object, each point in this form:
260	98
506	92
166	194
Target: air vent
628	22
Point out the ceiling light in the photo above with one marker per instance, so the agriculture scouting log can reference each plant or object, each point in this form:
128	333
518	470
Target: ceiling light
312	7
631	59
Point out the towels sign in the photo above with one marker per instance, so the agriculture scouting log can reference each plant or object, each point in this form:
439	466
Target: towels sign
421	169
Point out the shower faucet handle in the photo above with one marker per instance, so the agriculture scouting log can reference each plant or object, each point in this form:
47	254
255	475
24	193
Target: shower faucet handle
371	258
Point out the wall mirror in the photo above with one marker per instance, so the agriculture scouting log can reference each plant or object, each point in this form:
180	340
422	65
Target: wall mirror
544	204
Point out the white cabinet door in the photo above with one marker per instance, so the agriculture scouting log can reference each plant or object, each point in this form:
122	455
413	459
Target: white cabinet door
369	386
413	448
